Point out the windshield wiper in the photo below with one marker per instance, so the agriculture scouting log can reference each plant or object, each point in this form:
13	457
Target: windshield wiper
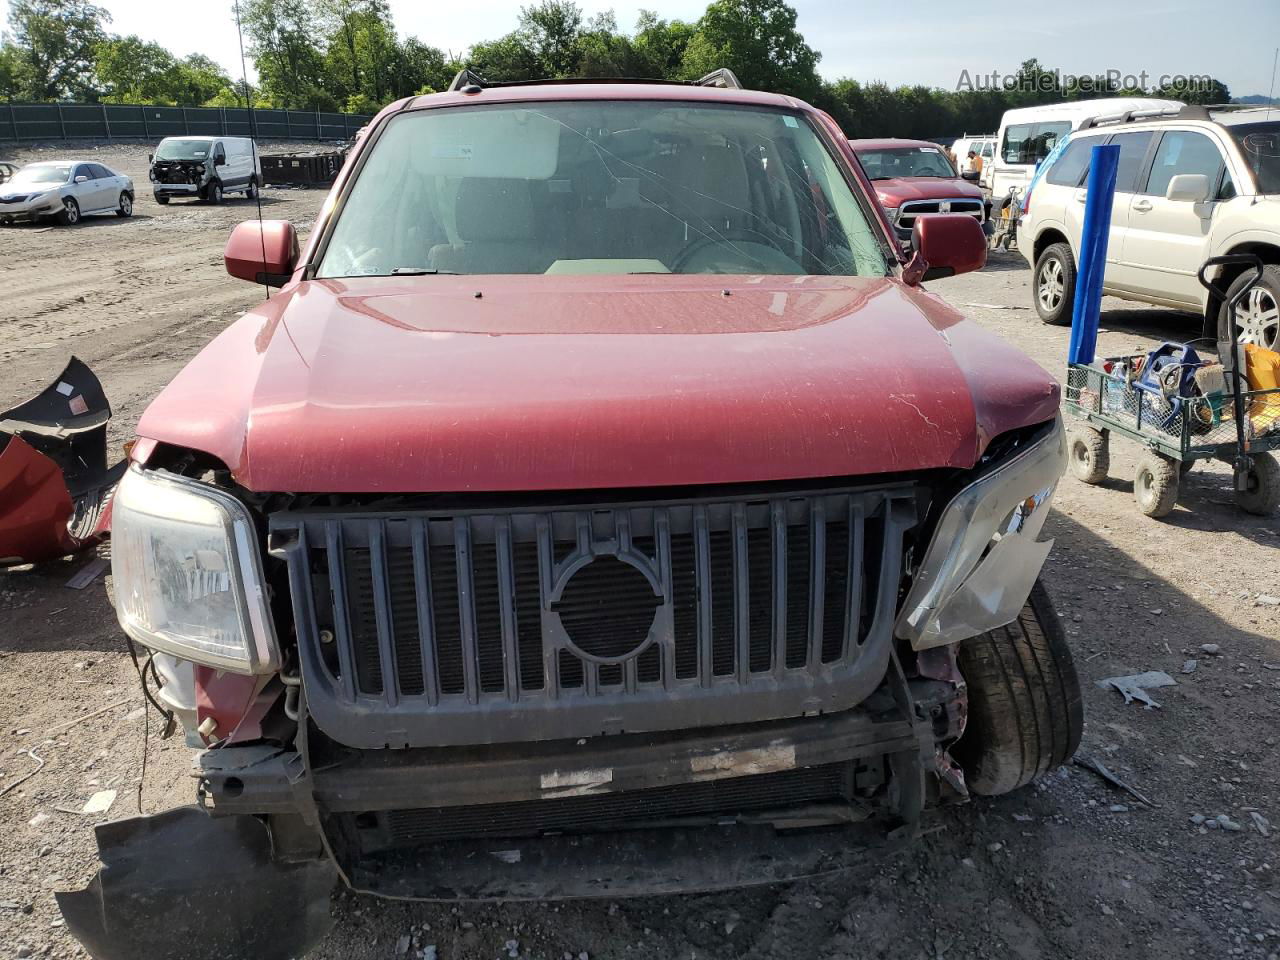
418	271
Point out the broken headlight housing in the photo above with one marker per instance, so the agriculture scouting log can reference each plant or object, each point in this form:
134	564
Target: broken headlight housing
188	574
984	556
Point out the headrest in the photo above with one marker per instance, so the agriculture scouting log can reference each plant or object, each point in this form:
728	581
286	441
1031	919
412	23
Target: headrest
494	209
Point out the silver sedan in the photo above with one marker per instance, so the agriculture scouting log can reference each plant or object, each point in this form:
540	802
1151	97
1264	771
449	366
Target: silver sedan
65	190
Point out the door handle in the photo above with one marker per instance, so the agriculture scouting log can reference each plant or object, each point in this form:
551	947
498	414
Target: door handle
1081	196
1142	206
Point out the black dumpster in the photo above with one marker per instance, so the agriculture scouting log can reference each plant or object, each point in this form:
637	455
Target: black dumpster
302	169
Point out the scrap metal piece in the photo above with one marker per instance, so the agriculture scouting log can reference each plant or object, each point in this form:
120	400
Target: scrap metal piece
55	484
1134	687
182	885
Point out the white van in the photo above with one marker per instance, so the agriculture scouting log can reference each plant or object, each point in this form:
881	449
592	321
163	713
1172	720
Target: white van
983	145
1027	134
205	167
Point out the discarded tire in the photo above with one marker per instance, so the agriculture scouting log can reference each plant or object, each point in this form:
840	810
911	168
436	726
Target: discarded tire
1025	709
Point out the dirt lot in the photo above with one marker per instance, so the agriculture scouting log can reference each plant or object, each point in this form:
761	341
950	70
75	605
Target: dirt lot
1070	868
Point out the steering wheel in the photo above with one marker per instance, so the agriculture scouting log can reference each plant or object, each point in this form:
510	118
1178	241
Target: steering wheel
721	238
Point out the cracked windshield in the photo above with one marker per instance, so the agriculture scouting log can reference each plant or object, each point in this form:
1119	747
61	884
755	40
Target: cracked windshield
601	187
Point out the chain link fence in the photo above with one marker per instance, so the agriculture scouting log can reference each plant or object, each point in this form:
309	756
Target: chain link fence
29	122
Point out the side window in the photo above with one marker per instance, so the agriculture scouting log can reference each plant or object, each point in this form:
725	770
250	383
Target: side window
1045	139
82	170
219	153
100	172
1184	151
1228	188
988	149
1070	169
1133	150
1016	145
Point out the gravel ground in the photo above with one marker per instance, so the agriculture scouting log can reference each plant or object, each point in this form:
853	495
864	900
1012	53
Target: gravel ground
1068	868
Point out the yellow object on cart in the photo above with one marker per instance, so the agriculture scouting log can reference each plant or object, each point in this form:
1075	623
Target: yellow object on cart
1262	369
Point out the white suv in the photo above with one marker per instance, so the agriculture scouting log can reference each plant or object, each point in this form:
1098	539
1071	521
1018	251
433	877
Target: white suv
1192	184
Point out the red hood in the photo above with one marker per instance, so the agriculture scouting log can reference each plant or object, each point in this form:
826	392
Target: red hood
895	192
440	383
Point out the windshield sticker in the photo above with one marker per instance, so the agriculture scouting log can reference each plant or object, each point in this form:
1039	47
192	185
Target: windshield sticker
789	121
451	151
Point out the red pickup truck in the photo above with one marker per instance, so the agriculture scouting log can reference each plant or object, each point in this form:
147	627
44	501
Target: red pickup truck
915	177
603	505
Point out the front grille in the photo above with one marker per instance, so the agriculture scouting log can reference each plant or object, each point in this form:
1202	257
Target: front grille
613	811
435	628
908	212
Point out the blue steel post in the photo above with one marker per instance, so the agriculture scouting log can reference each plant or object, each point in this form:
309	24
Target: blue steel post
1093	253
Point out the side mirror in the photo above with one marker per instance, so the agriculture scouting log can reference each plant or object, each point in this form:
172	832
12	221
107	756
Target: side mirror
82	179
262	251
970	175
945	244
1188	188
151	158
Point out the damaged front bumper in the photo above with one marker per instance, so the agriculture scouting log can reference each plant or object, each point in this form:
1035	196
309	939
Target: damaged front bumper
603	817
55	485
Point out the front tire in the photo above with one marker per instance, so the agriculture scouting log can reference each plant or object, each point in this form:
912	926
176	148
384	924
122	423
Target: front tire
1262	495
1155	485
1258	315
1090	455
1054	284
213	193
1026	713
125	209
162	199
70	214
251	192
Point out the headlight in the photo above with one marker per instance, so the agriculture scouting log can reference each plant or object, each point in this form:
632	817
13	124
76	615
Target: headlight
187	573
984	556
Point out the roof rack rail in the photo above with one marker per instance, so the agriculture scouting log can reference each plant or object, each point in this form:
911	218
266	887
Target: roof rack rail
724	77
468	81
466	77
1188	111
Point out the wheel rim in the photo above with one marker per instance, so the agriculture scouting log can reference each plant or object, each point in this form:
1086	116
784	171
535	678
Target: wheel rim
1049	285
126	205
73	212
1259	318
1081	454
1146	486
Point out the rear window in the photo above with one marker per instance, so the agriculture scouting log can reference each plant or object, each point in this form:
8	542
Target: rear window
1029	143
1260	144
1070	169
896	162
601	187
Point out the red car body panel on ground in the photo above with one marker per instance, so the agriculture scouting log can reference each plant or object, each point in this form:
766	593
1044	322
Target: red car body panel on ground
555	383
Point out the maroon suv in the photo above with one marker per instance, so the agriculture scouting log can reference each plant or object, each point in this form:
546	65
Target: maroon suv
915	177
601	506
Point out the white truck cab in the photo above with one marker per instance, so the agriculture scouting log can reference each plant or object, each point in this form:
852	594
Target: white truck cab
1028	134
207	168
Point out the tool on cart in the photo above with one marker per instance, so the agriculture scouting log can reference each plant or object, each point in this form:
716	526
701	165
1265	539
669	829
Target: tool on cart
1181	408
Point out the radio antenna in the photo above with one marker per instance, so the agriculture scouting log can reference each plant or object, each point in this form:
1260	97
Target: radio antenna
253	145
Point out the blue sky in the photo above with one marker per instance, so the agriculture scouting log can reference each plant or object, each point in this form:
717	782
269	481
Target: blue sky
925	41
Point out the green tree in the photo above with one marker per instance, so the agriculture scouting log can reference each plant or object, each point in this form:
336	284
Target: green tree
1202	91
281	35
758	41
661	44
507	58
57	40
552	29
421	68
12	70
131	70
197	79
